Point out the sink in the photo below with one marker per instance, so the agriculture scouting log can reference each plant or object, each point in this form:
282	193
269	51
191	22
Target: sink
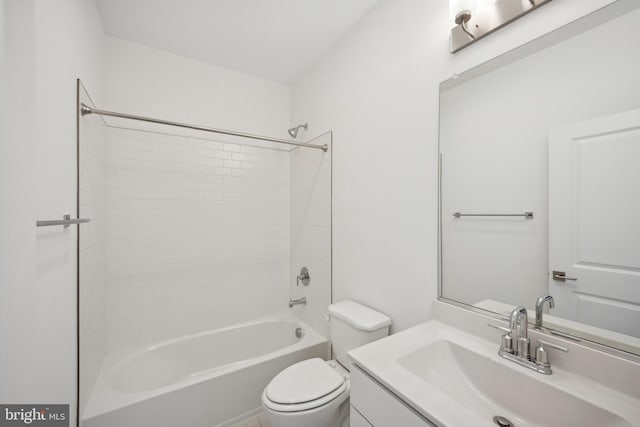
488	388
449	372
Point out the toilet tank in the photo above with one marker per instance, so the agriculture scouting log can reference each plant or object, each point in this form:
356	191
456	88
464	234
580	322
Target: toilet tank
353	325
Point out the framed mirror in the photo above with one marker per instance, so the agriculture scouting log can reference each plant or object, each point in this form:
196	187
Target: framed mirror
540	181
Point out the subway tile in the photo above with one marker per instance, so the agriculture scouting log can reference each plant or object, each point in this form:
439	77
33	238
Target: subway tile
232	164
185	229
232	147
223	155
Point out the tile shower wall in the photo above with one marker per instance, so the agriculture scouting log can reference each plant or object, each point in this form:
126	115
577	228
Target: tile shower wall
92	260
310	241
197	235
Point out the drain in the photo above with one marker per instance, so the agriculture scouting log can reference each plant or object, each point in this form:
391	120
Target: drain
299	332
502	421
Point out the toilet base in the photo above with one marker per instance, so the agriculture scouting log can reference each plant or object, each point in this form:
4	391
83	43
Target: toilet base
344	413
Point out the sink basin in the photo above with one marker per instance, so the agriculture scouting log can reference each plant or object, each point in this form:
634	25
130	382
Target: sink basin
488	389
448	370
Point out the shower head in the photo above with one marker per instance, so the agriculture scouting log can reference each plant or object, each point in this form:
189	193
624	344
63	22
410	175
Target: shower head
294	131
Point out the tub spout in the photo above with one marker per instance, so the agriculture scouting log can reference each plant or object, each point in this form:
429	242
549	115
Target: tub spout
297	301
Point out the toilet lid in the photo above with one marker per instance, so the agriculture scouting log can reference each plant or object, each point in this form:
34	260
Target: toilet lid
304	382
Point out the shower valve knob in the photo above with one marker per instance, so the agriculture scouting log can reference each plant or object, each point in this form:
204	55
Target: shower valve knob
303	277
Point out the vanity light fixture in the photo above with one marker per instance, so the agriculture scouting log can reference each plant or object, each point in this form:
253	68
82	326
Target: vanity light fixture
475	21
461	11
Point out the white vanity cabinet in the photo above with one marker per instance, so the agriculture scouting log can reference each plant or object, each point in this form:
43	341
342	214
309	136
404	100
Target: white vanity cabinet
373	405
356	419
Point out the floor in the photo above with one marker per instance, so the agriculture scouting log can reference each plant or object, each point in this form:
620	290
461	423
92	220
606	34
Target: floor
258	421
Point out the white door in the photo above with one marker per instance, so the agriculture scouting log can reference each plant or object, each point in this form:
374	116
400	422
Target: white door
594	221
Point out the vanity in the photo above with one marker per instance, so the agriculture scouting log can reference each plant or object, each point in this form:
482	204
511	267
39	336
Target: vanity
537	321
447	372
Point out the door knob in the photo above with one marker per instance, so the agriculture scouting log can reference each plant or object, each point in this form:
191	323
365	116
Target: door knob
562	276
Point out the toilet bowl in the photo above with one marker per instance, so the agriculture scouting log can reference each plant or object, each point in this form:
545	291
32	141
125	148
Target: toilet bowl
314	392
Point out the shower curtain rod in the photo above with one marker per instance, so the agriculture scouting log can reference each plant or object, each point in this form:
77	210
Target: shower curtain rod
85	109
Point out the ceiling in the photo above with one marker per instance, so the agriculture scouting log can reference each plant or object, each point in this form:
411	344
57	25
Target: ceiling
273	39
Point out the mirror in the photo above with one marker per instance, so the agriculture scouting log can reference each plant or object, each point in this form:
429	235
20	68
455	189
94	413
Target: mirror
551	129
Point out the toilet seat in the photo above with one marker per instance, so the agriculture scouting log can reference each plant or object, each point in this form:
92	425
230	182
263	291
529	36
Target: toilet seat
306	406
304	386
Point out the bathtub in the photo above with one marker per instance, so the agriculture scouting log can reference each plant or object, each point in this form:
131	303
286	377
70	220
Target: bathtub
212	378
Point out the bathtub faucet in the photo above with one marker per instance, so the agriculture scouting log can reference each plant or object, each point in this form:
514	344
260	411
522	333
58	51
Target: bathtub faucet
297	301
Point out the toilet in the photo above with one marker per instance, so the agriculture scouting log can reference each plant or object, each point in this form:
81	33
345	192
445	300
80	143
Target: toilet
314	392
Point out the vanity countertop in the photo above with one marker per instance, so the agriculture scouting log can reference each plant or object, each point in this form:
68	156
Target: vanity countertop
434	367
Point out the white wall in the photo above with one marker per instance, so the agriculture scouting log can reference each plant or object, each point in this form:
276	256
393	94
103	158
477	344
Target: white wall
54	42
4	84
19	332
68	46
378	90
507	115
151	82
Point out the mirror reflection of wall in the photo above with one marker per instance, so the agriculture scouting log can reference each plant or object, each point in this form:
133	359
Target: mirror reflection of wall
494	139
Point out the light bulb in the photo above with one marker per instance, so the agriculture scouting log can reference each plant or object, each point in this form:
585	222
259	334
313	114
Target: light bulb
457	6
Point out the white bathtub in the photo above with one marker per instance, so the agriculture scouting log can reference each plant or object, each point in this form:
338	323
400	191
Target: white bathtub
214	378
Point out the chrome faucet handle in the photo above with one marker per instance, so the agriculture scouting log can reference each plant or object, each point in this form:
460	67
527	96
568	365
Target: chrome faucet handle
519	352
506	344
303	277
542	355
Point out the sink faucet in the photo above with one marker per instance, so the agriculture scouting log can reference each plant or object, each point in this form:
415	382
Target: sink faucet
518	323
540	305
297	301
520	317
